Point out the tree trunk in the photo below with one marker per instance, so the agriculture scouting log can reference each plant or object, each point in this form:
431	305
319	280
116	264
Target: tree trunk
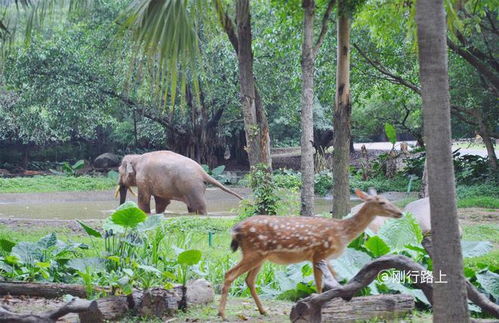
341	122
254	140
487	141
307	122
449	299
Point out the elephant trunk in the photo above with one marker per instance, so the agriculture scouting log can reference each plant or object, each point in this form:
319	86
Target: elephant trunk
123	190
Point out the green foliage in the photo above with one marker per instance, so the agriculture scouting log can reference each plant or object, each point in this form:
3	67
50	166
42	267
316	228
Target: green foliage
128	215
70	170
323	183
391	133
264	191
479	201
55	184
217	173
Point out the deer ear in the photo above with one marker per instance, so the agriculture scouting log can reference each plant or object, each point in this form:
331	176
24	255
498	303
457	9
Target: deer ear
363	196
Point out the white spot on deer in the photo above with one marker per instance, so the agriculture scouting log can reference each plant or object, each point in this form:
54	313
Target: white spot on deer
326	244
262	237
252	229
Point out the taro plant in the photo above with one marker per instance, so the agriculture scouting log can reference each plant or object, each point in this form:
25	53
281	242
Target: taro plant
45	259
217	173
70	170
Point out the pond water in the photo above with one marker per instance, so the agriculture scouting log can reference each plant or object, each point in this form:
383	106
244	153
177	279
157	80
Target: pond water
99	204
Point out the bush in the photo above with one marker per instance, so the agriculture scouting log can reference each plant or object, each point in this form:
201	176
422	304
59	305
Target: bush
469	169
286	178
323	183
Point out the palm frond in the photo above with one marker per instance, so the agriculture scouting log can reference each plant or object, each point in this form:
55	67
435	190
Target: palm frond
165	32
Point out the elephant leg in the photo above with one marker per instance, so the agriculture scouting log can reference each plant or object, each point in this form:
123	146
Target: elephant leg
144	200
161	204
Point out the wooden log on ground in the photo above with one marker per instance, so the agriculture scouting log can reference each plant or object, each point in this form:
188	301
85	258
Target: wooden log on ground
108	309
309	309
74	306
152	302
46	290
379	307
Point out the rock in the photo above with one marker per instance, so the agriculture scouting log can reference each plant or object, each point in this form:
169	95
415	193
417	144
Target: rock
107	160
199	291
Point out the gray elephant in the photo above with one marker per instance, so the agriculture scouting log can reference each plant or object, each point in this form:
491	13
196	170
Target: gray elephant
166	176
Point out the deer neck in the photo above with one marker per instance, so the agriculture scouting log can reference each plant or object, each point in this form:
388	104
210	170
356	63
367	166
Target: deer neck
357	223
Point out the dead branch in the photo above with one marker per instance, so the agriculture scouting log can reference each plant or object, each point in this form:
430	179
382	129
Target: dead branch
309	309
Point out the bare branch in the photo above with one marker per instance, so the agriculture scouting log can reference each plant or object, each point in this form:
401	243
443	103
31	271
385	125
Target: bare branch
227	24
391	76
475	62
324	26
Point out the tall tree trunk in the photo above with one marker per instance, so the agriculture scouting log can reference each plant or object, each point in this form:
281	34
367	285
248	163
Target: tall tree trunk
449	299
257	142
263	125
307	123
487	141
341	122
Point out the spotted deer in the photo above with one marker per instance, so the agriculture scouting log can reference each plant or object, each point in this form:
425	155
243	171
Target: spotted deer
287	240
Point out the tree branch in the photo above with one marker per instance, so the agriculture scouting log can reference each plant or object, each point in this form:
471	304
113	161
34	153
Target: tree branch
309	309
475	62
324	26
392	77
227	24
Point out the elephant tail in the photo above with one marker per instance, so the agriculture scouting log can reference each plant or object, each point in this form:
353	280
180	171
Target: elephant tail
211	180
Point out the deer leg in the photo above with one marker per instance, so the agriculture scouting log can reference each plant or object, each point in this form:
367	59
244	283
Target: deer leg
250	281
245	265
318	277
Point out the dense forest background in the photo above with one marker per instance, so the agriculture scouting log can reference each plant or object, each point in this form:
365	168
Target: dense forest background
75	88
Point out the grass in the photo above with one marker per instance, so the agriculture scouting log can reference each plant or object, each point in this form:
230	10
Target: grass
53	183
479	201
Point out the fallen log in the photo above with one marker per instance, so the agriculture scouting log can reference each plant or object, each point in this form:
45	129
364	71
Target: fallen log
76	305
157	302
309	309
46	290
378	307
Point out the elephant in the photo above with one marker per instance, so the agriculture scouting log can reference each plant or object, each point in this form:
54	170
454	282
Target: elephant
166	176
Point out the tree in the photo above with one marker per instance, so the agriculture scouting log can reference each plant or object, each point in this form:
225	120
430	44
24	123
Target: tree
342	115
255	119
309	51
307	123
449	299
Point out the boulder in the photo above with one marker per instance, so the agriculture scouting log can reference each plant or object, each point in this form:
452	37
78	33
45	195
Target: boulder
107	160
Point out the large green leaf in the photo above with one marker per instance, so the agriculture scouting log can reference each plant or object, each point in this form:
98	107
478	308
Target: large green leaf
217	171
78	165
90	231
475	248
28	252
92	265
391	133
398	233
151	223
50	240
489	282
7	245
189	257
377	246
406	290
128	215
350	262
